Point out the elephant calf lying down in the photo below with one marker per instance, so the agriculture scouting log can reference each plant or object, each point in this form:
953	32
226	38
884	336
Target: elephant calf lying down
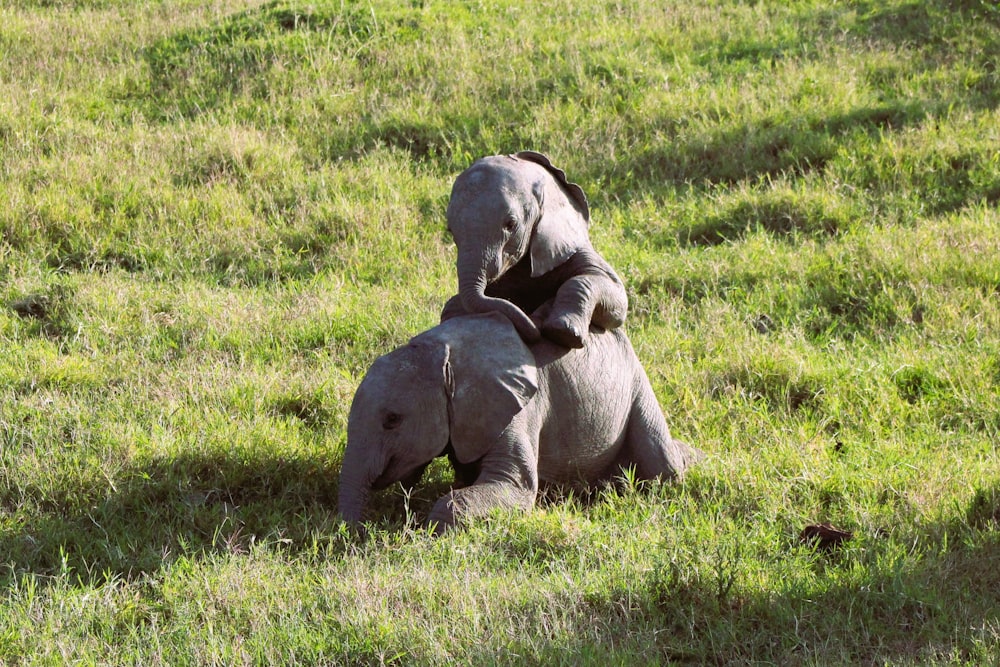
511	415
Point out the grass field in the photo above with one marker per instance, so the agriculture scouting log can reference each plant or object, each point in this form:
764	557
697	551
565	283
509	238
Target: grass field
215	215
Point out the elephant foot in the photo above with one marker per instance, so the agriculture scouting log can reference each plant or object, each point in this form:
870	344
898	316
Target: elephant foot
564	333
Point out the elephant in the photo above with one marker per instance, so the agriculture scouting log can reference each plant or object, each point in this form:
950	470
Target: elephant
510	416
521	231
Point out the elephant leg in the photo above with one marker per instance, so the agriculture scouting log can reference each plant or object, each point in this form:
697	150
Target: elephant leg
508	479
581	300
648	446
477	501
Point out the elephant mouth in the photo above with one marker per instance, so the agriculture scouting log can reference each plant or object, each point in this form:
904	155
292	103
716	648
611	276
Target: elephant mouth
382	481
407	479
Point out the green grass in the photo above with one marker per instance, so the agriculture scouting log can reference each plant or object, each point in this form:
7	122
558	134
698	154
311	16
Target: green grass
213	217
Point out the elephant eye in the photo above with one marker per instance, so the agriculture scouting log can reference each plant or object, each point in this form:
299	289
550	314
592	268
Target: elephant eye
509	223
391	421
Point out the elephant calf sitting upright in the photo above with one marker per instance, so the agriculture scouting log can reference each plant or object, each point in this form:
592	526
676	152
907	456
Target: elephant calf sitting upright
521	231
510	415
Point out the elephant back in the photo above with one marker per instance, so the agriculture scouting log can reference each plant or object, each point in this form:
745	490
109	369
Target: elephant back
588	393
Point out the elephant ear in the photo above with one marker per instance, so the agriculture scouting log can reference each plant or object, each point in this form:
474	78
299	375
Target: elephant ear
561	230
490	375
574	191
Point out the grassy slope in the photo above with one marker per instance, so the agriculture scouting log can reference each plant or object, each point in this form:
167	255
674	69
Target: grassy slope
215	217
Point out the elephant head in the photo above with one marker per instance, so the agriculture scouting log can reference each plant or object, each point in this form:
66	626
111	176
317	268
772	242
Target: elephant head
505	208
444	386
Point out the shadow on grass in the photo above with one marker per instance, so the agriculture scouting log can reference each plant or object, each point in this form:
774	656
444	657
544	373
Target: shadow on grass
938	602
202	69
926	24
797	145
942	606
935	599
890	598
190	505
769	148
215	67
783	217
167	508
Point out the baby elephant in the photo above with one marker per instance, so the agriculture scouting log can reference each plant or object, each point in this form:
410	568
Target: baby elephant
521	231
509	415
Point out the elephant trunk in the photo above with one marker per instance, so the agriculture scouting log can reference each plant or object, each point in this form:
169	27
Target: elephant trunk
472	282
352	500
355	485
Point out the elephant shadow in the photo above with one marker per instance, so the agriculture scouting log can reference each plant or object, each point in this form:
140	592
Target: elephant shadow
163	509
187	505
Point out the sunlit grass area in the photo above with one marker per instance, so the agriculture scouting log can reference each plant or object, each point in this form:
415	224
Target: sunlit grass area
214	217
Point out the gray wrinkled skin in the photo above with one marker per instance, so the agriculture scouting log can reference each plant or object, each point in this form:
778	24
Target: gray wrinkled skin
521	231
511	415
